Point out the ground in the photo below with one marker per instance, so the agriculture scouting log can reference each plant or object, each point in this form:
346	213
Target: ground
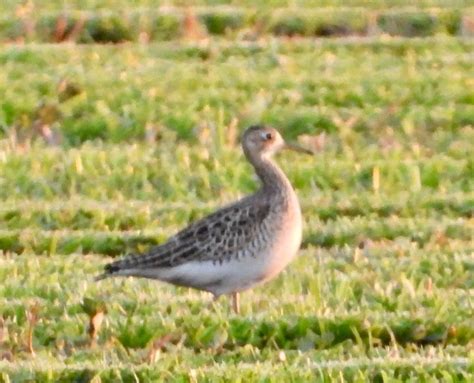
112	141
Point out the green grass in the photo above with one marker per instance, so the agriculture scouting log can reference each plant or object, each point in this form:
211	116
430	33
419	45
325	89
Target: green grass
108	5
108	149
382	288
130	92
152	24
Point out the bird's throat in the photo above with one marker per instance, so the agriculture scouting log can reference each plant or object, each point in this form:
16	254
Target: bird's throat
272	177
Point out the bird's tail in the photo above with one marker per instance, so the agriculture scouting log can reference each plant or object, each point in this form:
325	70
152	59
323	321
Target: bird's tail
109	270
101	276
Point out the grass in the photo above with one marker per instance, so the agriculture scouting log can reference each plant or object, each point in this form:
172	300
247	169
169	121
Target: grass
152	24
108	149
382	287
308	87
108	5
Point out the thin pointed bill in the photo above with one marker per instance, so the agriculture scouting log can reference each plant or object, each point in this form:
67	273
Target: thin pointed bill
298	148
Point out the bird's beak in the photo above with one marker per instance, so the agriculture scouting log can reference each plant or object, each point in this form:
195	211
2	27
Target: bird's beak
297	148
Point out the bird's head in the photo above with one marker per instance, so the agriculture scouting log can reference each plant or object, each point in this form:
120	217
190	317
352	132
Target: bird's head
264	141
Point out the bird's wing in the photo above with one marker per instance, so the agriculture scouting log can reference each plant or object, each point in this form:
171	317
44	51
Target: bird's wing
216	238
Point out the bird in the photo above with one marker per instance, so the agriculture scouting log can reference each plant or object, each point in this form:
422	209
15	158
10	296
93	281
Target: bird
240	245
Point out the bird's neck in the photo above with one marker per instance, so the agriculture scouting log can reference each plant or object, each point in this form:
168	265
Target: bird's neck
272	177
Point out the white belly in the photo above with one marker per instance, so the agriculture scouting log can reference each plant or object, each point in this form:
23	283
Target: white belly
234	275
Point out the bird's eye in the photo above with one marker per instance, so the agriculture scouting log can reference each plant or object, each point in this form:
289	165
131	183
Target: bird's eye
267	136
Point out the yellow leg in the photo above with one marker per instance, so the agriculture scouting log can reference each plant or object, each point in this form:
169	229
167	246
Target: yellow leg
211	304
236	302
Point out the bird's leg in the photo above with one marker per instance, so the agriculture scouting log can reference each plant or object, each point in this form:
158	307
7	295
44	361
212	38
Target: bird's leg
236	302
214	300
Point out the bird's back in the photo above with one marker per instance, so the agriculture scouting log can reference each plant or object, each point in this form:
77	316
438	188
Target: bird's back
226	233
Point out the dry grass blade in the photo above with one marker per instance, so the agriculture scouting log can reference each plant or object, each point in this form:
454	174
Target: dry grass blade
32	316
96	311
156	346
95	323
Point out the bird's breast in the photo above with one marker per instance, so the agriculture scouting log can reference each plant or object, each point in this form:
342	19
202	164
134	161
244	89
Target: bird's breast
286	240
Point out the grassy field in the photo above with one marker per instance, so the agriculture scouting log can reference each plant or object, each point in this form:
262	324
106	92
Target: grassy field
106	149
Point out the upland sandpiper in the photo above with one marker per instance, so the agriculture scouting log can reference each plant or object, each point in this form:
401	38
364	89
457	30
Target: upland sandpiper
238	246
